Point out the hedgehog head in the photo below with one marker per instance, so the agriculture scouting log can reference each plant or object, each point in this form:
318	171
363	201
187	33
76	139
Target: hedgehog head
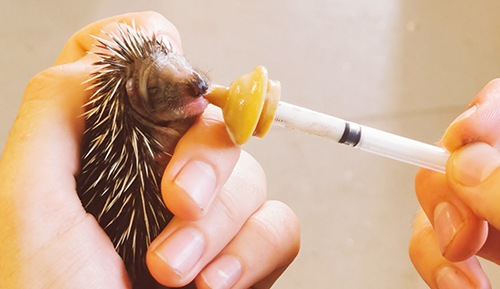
166	87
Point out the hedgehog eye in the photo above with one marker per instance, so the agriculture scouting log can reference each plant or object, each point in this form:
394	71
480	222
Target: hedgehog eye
148	81
153	90
152	85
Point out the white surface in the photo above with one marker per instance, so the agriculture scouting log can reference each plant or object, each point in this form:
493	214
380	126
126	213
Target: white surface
408	67
308	121
369	139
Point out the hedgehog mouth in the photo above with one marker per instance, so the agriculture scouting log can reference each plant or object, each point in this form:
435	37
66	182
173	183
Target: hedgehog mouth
194	107
188	109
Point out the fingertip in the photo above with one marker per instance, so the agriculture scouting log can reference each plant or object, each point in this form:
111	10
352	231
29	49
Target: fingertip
202	162
437	271
222	273
159	269
152	22
190	192
173	256
479	121
264	247
473	164
489	92
474	176
459	131
450	277
459	233
161	26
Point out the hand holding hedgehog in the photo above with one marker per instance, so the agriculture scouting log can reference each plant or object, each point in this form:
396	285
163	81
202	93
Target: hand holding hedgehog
217	194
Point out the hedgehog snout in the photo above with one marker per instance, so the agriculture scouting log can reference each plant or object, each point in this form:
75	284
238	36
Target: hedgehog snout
198	86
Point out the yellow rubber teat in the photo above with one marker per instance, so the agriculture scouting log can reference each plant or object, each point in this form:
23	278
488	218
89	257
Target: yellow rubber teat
248	104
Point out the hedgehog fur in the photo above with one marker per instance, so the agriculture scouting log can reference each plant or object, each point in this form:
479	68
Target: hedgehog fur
145	98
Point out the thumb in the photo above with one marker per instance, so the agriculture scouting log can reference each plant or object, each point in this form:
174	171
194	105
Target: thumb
473	171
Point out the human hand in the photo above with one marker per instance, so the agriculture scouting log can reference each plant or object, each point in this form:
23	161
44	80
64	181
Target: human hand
225	234
461	210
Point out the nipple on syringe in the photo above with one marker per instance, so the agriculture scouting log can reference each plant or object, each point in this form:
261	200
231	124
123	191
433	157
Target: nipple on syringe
248	104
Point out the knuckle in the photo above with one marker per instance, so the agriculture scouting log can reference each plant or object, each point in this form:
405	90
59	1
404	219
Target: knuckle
47	82
286	216
40	82
257	179
243	194
268	231
247	183
231	208
278	227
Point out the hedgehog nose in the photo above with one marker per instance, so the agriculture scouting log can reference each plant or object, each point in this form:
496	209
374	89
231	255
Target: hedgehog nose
198	87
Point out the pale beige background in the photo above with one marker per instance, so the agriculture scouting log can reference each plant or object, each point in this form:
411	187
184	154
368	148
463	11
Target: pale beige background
408	67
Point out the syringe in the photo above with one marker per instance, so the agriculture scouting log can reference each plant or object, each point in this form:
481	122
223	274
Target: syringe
251	104
362	137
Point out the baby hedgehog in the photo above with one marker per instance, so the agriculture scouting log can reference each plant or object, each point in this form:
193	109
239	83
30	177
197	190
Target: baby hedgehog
146	97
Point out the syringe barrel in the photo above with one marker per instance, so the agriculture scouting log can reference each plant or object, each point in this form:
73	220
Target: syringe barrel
403	149
309	121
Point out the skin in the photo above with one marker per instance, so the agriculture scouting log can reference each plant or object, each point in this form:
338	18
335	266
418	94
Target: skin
444	246
47	240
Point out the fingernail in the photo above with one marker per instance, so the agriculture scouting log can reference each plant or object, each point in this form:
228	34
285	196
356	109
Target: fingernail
198	180
470	111
447	223
182	250
223	273
474	163
452	278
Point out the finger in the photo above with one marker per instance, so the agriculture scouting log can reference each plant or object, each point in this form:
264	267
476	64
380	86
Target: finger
201	164
185	247
490	251
154	23
480	122
458	229
437	271
262	250
41	154
460	233
474	174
